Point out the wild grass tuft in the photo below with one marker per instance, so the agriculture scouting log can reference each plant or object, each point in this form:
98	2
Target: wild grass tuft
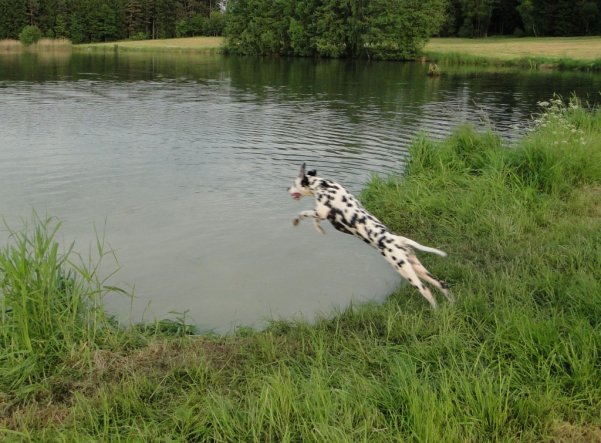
51	307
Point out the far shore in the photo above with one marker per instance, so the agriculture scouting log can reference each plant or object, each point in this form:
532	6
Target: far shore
564	53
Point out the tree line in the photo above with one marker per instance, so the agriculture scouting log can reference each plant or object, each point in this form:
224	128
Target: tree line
84	21
379	29
334	28
481	18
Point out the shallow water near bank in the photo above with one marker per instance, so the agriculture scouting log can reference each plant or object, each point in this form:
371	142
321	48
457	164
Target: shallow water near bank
183	162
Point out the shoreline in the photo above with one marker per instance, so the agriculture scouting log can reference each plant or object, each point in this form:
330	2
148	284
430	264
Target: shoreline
530	53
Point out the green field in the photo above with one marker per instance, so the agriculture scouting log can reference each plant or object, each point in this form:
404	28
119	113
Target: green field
516	358
505	48
570	53
187	44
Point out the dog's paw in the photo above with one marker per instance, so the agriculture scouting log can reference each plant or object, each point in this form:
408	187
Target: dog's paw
296	221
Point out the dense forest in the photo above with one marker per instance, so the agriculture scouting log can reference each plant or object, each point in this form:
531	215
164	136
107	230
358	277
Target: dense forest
481	18
380	29
303	27
85	21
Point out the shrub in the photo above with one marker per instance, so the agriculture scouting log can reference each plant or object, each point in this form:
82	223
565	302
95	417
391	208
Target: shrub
30	35
139	36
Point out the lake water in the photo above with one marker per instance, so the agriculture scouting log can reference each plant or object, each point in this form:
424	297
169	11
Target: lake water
183	161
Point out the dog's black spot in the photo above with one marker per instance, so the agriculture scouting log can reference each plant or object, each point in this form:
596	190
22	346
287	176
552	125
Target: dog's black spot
390	240
305	181
312	173
393	258
409	280
349	205
335	216
401	263
353	221
443	284
324	184
423	286
344	199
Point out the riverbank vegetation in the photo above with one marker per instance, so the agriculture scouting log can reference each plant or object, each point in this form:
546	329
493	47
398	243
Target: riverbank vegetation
43	44
517	357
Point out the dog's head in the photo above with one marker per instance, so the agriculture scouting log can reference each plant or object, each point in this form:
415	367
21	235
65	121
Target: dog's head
302	184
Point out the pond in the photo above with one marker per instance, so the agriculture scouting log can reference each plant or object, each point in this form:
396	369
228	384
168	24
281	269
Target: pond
183	161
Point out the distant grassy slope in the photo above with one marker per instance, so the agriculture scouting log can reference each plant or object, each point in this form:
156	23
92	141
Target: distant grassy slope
552	52
193	44
583	48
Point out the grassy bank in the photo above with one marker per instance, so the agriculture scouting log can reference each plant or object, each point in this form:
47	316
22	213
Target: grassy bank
188	44
565	53
517	357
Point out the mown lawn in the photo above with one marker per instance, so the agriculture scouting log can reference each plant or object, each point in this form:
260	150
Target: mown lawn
516	358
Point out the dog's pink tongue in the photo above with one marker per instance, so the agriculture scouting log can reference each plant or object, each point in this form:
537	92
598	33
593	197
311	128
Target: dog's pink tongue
296	196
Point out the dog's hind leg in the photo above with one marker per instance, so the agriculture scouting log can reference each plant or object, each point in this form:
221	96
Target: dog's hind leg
408	273
310	214
424	274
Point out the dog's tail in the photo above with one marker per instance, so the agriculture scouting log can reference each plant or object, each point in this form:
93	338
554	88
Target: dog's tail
416	245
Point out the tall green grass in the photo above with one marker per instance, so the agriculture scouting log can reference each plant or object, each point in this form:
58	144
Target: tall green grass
516	358
51	308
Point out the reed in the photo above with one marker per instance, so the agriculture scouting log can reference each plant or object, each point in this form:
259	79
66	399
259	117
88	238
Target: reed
42	45
9	45
50	307
46	44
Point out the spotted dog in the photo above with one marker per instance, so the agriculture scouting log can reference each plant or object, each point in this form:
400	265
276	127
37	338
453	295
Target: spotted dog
346	214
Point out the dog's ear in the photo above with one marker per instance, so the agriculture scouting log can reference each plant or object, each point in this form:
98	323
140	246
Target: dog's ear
312	173
302	171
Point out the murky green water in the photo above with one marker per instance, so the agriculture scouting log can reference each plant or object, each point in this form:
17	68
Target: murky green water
184	162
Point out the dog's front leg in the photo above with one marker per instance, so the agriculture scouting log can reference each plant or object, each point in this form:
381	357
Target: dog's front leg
310	214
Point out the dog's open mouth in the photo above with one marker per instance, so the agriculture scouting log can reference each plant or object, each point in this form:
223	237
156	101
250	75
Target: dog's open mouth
296	195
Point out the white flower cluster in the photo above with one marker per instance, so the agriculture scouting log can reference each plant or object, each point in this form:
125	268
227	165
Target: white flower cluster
554	115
